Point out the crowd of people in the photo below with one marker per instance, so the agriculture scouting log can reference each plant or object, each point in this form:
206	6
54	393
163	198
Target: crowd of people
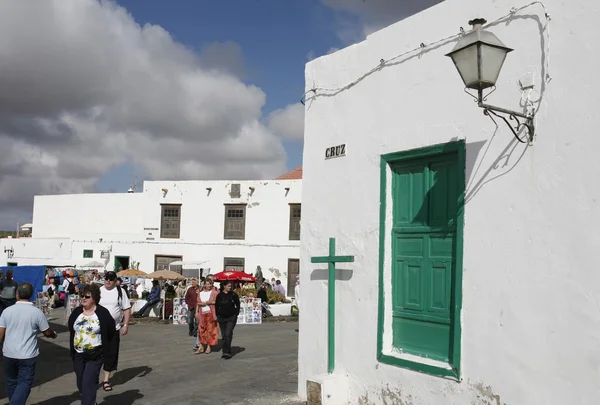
95	330
97	325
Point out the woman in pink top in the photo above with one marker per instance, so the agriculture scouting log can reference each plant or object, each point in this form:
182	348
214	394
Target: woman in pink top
206	315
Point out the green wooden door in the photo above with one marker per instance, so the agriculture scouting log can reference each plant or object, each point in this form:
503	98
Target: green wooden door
425	195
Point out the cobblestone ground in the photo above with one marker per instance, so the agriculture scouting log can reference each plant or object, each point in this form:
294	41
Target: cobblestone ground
157	367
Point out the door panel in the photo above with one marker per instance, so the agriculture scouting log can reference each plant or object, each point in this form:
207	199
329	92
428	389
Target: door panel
425	195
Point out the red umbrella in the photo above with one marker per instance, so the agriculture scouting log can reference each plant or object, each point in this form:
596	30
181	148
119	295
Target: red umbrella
234	276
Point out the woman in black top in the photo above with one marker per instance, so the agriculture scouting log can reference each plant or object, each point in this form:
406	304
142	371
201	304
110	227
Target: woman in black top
227	306
92	329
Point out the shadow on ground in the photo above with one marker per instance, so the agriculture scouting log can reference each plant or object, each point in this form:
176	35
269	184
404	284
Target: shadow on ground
235	350
124	398
53	362
120	378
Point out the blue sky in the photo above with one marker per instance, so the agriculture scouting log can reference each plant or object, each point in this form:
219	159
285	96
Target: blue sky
276	38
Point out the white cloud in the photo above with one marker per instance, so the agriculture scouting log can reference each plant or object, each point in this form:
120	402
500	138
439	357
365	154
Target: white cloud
85	88
288	122
371	15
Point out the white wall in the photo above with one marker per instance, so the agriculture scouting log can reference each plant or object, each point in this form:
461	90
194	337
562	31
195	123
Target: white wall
30	251
531	288
202	217
66	215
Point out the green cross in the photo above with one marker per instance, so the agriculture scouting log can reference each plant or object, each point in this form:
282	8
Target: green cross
331	260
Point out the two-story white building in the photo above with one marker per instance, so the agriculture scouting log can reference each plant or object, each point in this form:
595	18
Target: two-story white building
212	225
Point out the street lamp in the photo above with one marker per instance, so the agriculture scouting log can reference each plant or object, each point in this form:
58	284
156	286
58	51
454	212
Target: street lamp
478	57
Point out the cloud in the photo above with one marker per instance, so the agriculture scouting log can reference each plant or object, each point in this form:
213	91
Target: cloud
86	89
356	19
225	57
288	122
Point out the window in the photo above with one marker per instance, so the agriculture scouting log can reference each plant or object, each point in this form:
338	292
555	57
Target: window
162	263
233	264
170	221
424	258
12	264
88	254
235	222
295	214
293	271
235	191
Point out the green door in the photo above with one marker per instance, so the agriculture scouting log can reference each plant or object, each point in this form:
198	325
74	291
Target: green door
425	196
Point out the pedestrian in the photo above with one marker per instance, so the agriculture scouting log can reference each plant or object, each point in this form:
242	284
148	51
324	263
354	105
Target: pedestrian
207	318
117	302
227	306
19	327
191	299
8	291
258	275
153	298
92	331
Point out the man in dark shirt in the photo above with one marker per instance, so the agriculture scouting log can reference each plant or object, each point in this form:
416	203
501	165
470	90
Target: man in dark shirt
191	299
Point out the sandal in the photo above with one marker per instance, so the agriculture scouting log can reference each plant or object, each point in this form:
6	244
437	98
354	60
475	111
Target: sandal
106	386
207	350
199	351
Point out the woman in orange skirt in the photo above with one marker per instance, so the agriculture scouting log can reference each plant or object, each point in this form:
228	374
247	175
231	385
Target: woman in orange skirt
208	330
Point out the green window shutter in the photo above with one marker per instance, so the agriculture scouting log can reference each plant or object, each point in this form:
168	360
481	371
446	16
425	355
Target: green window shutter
425	194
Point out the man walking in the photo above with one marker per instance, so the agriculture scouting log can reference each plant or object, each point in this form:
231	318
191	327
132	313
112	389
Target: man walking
116	301
8	291
191	299
19	326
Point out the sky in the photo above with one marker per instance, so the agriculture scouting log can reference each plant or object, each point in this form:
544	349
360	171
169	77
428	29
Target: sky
96	96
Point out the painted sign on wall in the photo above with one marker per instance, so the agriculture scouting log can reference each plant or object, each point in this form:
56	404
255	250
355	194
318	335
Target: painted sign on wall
335	151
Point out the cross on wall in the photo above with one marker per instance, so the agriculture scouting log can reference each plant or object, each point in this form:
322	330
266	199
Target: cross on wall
331	260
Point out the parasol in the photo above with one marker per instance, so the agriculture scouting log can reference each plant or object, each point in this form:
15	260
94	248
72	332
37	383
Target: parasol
132	273
94	263
165	275
234	276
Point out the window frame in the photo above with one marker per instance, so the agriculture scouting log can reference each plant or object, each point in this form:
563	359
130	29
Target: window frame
291	280
88	251
176	257
230	207
164	207
291	233
453	370
243	261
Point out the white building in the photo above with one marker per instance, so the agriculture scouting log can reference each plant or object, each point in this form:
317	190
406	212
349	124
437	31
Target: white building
212	225
475	277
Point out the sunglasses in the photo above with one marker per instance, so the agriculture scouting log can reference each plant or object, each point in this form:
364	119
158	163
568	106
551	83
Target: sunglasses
110	278
86	297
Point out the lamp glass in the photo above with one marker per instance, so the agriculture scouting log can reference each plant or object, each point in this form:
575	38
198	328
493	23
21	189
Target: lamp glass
466	64
492	59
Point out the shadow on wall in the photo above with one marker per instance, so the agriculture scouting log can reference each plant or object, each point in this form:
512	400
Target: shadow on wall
323	274
482	169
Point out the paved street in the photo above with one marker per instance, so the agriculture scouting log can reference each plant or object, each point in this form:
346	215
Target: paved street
157	367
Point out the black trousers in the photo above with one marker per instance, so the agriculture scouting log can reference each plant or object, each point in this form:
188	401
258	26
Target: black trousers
115	346
192	324
227	325
87	373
